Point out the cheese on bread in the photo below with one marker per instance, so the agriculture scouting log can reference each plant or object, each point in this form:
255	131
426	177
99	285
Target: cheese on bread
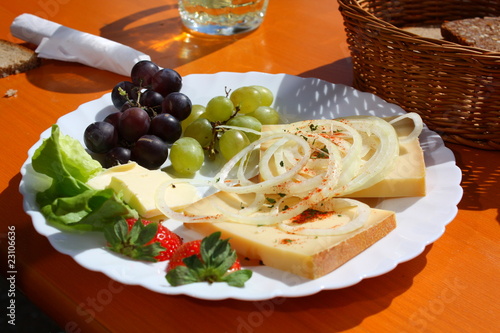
407	178
307	256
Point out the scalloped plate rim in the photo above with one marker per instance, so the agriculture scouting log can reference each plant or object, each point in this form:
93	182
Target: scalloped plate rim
282	284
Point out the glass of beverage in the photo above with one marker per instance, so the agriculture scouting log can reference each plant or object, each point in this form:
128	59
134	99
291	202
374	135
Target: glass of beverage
222	17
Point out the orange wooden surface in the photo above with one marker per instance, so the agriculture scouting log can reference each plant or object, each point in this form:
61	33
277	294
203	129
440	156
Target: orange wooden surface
451	287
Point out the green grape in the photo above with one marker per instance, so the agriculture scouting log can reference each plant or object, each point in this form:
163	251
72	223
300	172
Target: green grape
266	95
247	122
186	155
232	142
247	99
219	108
266	115
197	111
201	130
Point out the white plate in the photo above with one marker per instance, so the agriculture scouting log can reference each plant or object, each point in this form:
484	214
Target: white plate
420	220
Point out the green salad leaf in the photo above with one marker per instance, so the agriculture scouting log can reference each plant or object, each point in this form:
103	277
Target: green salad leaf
69	204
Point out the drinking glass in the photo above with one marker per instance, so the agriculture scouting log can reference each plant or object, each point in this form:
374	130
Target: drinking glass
222	17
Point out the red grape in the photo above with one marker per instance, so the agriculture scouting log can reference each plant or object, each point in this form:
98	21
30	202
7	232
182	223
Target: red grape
142	73
118	99
117	155
100	137
113	118
178	105
150	151
166	81
166	127
134	123
151	98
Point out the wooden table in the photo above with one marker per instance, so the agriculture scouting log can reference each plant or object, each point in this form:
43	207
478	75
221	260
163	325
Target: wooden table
451	287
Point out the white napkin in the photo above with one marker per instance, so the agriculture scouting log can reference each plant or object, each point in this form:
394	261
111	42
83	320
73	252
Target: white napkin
62	43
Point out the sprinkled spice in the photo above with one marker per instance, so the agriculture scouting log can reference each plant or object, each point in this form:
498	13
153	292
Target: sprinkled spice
310	215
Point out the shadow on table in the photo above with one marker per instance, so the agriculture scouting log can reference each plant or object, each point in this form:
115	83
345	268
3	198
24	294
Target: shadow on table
480	178
339	71
71	78
28	317
351	305
157	32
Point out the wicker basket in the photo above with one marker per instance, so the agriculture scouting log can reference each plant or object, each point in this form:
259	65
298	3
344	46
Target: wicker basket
456	89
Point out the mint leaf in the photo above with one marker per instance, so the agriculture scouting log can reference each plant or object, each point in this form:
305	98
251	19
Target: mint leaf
181	275
227	260
120	229
134	243
194	263
208	245
238	278
147	233
147	252
213	263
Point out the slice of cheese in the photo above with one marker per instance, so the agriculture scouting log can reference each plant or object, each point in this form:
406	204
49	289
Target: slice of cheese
307	256
407	179
102	180
139	186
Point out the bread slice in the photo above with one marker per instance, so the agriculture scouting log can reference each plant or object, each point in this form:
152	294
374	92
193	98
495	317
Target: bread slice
427	31
15	58
477	32
307	256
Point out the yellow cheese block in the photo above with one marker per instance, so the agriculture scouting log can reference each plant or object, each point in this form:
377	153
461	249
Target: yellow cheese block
307	256
407	179
139	186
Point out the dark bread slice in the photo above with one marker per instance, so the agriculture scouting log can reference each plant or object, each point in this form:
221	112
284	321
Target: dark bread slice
478	32
15	58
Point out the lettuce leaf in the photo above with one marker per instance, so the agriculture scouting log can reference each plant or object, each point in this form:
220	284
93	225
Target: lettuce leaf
69	204
61	155
91	210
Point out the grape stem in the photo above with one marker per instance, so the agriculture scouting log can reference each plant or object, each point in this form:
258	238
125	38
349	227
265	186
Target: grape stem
212	152
150	110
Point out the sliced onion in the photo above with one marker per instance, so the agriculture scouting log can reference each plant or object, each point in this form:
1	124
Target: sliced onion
266	186
263	218
283	164
272	153
382	161
417	129
357	221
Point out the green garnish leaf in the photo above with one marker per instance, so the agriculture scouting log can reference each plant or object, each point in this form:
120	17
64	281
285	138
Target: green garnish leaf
238	278
146	233
182	275
217	257
271	200
69	204
134	243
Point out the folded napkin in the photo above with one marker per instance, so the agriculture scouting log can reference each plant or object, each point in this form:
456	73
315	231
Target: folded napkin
62	43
